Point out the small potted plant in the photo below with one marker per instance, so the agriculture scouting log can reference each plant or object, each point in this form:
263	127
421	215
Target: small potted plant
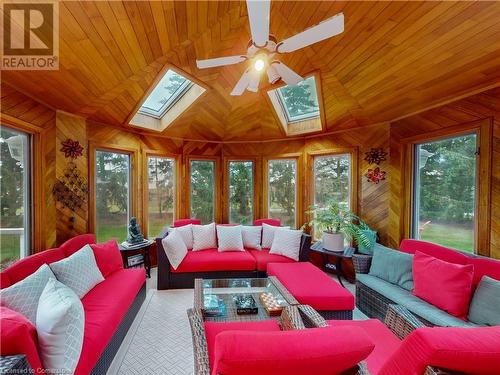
338	224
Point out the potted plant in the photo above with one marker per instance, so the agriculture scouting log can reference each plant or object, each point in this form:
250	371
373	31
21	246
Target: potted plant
338	224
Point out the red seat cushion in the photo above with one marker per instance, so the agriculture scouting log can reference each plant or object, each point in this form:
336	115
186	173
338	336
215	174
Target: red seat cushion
105	306
268	221
182	222
19	337
213	260
262	257
108	257
318	351
311	286
212	329
385	341
468	350
443	284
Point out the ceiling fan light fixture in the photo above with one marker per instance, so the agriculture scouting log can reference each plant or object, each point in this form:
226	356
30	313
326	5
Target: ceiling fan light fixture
272	74
259	65
253	84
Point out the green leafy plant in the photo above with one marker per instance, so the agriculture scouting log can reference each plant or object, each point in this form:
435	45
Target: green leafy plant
336	218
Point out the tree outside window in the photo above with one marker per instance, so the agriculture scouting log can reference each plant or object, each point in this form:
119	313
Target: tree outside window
241	192
202	195
161	194
282	174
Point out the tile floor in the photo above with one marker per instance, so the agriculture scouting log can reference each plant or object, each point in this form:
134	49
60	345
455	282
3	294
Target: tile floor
159	341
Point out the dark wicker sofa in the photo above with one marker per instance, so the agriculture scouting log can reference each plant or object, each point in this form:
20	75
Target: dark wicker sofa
178	280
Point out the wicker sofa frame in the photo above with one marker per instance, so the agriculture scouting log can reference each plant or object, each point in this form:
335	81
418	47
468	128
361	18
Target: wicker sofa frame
182	280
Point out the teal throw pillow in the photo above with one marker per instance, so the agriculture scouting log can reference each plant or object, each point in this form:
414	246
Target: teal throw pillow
485	306
392	266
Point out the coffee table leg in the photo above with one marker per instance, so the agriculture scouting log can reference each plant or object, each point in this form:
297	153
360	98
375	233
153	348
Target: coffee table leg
338	269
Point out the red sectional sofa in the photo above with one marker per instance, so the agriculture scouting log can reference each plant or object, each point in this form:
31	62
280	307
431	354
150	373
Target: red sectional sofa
110	307
212	264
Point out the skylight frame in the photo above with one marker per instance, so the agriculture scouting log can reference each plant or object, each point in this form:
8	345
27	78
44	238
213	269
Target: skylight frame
303	117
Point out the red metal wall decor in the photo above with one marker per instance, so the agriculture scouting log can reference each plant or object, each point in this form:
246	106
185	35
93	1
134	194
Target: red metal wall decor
72	149
375	175
376	155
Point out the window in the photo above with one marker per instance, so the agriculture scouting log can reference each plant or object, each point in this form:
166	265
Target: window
282	175
444	193
202	194
241	192
161	194
15	194
300	101
112	198
332	180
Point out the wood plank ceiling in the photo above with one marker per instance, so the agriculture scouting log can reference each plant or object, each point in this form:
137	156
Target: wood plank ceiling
393	59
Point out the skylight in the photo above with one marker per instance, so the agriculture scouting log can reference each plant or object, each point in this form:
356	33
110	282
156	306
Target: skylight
166	93
300	101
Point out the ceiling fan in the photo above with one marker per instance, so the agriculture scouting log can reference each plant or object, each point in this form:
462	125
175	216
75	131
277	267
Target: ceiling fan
263	48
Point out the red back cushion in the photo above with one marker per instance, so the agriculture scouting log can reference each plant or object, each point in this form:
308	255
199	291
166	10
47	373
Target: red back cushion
485	266
443	284
108	257
437	251
74	244
19	337
318	351
182	222
468	350
268	221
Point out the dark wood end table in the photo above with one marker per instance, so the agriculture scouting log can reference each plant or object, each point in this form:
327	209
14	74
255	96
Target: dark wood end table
339	256
143	249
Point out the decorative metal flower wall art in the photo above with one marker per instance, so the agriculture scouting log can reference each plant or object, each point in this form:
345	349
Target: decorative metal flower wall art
375	175
376	156
72	149
71	189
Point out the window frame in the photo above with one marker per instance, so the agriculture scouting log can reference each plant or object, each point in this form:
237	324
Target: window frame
133	180
177	183
217	188
256	178
484	135
306	116
298	185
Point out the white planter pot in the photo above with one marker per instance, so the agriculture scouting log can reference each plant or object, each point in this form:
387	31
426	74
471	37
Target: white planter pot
333	241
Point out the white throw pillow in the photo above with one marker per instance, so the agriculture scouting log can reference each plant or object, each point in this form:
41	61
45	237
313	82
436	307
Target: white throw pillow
60	322
23	296
78	271
230	238
175	248
186	232
204	237
251	236
268	235
286	242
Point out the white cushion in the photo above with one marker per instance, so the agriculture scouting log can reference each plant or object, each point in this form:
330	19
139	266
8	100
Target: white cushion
230	238
251	236
286	242
60	324
175	248
186	232
268	234
23	296
204	237
78	271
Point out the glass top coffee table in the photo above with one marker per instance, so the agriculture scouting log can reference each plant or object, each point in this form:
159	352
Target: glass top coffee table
218	298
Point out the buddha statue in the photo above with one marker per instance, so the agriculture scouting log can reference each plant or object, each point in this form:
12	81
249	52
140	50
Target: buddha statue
134	232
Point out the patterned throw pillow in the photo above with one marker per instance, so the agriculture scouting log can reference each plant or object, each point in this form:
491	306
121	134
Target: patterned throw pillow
186	232
175	248
286	242
252	236
60	324
78	271
204	237
23	296
268	235
230	238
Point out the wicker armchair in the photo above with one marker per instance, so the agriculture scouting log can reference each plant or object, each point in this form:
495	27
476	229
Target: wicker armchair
291	319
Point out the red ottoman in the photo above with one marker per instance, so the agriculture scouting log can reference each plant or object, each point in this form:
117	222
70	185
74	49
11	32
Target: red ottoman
311	286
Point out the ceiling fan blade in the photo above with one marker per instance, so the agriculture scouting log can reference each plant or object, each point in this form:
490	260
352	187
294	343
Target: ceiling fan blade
287	74
220	61
324	30
242	84
253	85
258	15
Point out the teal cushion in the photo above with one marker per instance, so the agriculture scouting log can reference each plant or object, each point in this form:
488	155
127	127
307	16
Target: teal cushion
414	304
485	306
372	236
392	266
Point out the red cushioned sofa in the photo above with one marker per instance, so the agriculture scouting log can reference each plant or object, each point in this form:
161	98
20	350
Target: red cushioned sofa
373	296
212	264
110	307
